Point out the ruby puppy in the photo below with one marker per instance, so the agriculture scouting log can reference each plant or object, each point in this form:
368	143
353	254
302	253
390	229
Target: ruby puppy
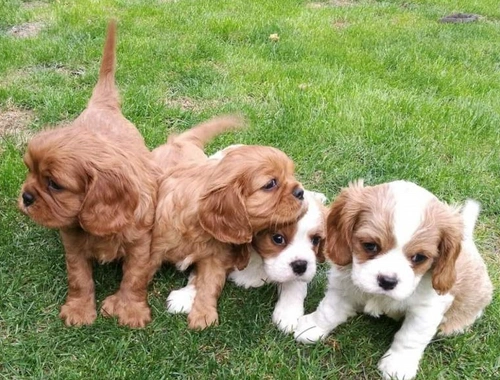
95	181
397	250
208	208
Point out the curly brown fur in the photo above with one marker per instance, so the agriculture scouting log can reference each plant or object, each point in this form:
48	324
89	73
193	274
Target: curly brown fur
208	207
95	181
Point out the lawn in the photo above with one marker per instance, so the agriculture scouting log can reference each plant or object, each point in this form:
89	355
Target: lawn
374	89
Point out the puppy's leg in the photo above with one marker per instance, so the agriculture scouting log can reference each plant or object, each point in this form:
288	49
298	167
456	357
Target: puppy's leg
130	304
180	301
252	276
290	305
333	310
209	281
79	308
420	325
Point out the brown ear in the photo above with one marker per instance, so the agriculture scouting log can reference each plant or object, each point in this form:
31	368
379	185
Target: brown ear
444	274
320	255
340	225
223	214
242	255
109	203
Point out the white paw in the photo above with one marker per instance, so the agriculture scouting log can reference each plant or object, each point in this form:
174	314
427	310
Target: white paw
181	301
247	280
399	366
286	319
319	196
307	331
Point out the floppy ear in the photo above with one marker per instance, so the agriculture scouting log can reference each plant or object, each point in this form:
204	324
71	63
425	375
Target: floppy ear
222	213
242	253
110	202
340	225
320	255
444	274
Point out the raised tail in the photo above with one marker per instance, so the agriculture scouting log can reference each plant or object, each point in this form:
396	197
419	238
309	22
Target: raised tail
202	133
470	212
105	93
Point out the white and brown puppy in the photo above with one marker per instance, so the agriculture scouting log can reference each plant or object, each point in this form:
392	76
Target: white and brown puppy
206	208
285	255
397	250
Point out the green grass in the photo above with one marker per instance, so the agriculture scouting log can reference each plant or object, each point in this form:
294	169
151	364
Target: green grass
375	89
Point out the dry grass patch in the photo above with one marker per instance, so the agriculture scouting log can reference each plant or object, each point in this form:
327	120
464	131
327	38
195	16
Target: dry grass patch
14	125
186	103
33	5
26	30
23	75
332	3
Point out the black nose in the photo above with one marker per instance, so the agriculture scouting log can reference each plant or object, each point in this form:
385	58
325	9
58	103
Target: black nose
28	198
299	266
386	282
298	193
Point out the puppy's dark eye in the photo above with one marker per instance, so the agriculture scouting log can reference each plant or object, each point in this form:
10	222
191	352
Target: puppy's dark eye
418	258
53	185
371	248
270	185
278	239
316	240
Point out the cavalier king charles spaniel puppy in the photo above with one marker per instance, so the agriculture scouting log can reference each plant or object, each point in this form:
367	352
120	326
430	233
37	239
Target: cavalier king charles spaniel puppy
96	182
397	250
285	255
208	209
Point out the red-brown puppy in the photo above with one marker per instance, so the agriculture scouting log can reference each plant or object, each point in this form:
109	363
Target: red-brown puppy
95	181
207	207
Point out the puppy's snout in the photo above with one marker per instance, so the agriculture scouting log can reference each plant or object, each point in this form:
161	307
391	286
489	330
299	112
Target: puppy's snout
28	198
387	282
299	266
298	193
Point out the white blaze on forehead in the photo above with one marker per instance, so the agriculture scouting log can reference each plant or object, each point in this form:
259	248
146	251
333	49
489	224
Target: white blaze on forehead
278	268
312	218
411	201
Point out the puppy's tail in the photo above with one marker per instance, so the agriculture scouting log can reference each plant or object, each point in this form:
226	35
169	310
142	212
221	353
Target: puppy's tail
202	133
105	93
470	212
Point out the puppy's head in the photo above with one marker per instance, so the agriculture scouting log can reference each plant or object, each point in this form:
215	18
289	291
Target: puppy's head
75	180
393	234
252	188
290	252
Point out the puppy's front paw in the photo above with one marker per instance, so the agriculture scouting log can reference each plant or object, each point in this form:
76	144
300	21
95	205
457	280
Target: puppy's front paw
200	320
77	312
307	331
398	365
286	319
319	196
181	301
131	314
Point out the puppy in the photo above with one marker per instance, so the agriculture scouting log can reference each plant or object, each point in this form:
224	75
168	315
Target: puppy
397	250
96	182
207	208
285	255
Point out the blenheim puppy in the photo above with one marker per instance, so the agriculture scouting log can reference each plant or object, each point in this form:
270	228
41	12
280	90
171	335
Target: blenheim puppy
207	208
285	255
397	250
94	181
